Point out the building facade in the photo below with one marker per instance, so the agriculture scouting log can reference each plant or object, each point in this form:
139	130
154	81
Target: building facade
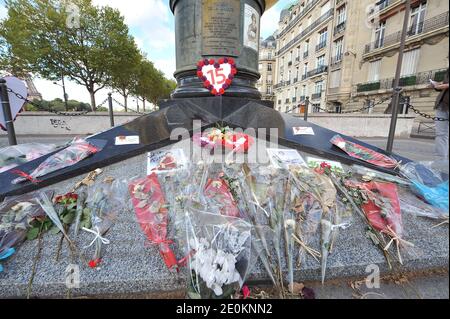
425	55
342	54
267	68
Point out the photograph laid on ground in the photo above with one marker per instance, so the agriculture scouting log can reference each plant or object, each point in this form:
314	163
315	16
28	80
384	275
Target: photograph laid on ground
250	151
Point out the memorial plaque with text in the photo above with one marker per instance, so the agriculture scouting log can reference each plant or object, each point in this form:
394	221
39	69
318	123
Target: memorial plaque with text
221	27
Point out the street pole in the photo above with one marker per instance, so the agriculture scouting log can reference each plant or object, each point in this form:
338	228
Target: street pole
397	89
64	91
111	111
305	116
7	113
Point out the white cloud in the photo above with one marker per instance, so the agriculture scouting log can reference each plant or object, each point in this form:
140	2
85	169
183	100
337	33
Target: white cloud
3	12
269	21
139	13
167	66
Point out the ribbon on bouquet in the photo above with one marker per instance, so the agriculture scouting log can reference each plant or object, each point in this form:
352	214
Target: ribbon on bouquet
97	234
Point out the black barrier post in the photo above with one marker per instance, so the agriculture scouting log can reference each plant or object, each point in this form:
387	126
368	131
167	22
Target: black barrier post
111	111
397	88
7	113
305	116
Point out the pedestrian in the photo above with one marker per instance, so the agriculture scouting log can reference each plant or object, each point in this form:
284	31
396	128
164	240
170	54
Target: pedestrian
442	127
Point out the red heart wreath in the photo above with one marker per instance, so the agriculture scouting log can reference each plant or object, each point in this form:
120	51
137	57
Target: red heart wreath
217	76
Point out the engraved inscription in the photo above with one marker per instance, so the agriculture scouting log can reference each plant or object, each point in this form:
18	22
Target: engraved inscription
221	27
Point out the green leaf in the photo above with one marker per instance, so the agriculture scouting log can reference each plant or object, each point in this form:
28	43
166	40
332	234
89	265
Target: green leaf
68	218
33	233
54	230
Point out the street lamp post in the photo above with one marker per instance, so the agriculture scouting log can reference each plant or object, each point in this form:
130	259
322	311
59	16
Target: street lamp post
66	104
397	89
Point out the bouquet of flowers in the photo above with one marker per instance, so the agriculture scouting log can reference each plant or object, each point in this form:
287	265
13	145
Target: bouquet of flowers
363	153
263	190
17	215
218	194
152	214
13	156
74	153
220	254
224	137
381	206
104	203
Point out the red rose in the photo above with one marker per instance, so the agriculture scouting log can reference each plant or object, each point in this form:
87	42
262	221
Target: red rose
95	263
221	91
201	64
245	292
231	61
233	71
228	82
214	91
207	83
200	74
221	60
211	61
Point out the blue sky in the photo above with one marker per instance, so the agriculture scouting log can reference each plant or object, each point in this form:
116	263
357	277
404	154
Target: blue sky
152	24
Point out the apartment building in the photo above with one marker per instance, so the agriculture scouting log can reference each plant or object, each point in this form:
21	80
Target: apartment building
342	54
303	41
267	68
425	55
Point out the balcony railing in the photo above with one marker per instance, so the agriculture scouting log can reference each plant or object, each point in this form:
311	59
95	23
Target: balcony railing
305	54
316	96
421	78
321	45
298	17
288	82
294	99
321	69
307	30
279	85
304	76
297	59
336	59
295	80
340	28
440	21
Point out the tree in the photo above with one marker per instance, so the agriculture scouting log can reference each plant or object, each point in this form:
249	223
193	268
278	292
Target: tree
40	37
124	76
151	84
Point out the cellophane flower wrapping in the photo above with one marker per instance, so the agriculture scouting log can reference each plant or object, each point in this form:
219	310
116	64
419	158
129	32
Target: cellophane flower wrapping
13	156
16	215
220	254
428	184
363	153
105	201
77	151
411	204
152	214
263	190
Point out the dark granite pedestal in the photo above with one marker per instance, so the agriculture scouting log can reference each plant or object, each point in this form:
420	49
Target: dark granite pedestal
155	131
129	267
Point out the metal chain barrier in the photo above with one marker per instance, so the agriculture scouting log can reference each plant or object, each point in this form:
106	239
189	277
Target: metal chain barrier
368	107
19	96
127	108
364	108
425	115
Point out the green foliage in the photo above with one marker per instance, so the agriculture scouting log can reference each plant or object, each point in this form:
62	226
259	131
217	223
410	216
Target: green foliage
58	105
36	38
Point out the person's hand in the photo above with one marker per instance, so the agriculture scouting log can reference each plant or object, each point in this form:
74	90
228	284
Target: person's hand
443	86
